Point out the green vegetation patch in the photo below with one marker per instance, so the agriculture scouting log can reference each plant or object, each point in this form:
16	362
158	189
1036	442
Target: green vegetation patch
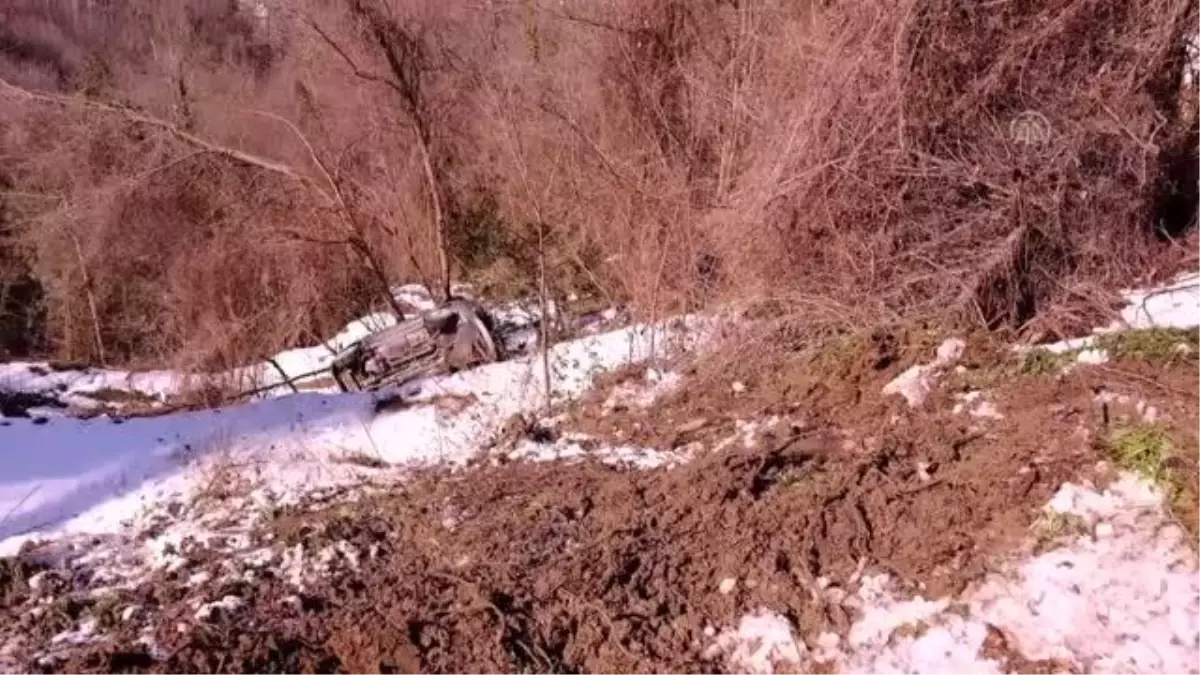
1039	362
1145	449
1155	345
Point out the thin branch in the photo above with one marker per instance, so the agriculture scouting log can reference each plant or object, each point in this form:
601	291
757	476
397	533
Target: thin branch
21	194
312	153
355	240
134	116
89	289
409	94
358	72
596	149
583	20
286	380
300	236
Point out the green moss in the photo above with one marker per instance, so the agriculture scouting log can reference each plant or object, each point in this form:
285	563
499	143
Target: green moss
1149	451
1155	345
1045	362
1144	449
840	353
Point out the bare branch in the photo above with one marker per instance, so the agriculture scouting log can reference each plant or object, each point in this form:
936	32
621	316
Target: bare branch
358	72
140	118
406	61
300	236
582	20
312	153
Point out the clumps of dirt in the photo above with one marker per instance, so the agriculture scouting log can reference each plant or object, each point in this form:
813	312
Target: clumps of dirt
834	379
581	566
45	609
997	646
15	574
1084	407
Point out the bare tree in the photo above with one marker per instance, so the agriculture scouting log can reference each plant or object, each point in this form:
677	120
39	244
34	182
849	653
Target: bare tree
326	186
409	64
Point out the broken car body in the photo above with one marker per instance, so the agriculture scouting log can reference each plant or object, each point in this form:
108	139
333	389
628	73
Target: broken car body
458	335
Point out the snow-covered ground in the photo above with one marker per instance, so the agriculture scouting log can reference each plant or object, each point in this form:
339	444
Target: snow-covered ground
1121	596
123	500
85	388
95	474
74	386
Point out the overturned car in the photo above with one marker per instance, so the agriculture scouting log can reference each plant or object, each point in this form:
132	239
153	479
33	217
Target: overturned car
460	334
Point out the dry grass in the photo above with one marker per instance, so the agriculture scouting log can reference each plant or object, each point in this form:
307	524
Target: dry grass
216	186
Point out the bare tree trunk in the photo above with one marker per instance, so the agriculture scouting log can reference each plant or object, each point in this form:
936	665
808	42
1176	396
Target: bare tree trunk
545	322
439	225
89	291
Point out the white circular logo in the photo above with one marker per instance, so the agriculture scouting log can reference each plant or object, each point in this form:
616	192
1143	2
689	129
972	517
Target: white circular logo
1030	128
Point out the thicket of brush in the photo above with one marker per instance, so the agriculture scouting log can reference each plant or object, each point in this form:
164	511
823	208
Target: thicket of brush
206	181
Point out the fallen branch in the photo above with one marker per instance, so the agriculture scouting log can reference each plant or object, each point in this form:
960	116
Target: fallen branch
288	381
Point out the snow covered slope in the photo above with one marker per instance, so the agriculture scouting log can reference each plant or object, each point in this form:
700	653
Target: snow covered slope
85	388
98	473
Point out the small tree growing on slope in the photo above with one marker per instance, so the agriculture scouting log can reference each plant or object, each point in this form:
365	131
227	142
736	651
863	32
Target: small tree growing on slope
409	57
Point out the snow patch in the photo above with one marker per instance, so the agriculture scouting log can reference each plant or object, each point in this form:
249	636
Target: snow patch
293	444
907	636
762	642
84	633
976	404
111	504
306	366
1092	356
749	432
638	458
75	386
916	383
1172	305
1144	410
643	394
227	604
1123	598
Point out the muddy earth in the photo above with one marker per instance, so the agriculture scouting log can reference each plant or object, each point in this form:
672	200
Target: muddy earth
586	566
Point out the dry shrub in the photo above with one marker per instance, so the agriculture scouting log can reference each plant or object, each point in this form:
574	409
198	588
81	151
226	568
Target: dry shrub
843	165
865	165
191	265
917	190
149	249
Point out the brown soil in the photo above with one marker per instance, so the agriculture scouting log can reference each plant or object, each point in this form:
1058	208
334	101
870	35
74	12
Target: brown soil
1173	390
580	567
586	567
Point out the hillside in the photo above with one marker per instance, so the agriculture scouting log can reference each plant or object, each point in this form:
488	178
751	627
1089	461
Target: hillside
985	509
816	337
